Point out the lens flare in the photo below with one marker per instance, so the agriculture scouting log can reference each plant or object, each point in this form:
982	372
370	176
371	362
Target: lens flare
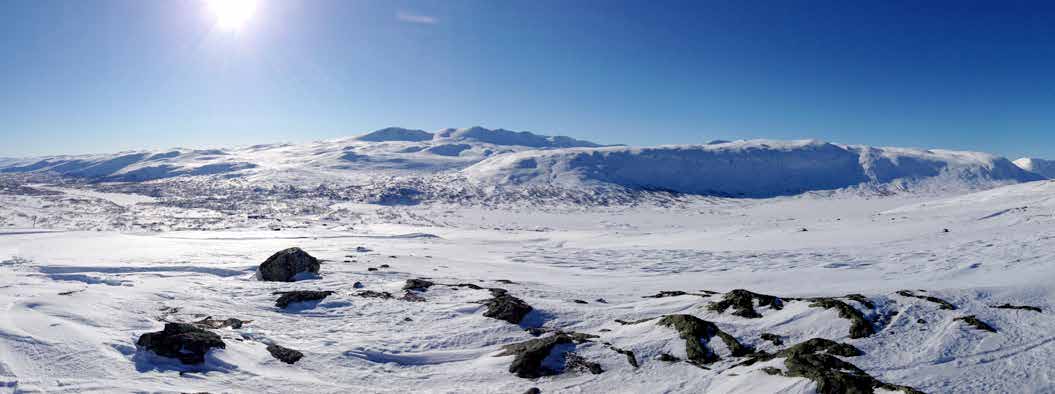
232	15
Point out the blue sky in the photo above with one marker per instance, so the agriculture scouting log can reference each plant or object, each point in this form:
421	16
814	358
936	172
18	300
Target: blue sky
109	75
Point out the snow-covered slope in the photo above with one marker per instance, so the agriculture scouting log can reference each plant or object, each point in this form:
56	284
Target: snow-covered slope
133	166
755	168
390	151
1044	168
500	160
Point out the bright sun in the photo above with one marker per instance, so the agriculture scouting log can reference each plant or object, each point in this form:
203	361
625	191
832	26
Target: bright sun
232	15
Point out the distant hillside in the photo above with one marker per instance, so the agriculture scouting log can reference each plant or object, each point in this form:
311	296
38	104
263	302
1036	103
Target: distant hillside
497	161
757	168
1045	168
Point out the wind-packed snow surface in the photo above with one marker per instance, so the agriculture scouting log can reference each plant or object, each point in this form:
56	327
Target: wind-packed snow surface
908	277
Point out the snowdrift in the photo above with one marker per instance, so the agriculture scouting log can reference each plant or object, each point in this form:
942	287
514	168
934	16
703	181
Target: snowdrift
756	168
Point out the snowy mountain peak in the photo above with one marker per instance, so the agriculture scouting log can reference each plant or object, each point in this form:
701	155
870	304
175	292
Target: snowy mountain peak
396	134
1044	168
512	138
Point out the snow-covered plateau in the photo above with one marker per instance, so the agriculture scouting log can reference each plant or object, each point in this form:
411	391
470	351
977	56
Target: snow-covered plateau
491	261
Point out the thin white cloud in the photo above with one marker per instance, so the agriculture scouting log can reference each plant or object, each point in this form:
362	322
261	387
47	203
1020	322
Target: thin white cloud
414	18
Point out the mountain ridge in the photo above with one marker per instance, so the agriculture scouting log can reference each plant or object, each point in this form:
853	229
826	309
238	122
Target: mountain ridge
503	159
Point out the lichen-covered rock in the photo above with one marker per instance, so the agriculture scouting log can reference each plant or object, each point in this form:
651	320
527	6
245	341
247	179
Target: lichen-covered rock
860	327
506	307
289	297
186	342
285	265
942	304
816	360
529	355
743	303
696	332
284	354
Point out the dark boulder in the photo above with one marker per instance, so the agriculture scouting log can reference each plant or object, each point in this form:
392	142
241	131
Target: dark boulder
743	303
506	307
974	322
696	332
575	362
186	342
284	354
417	284
530	354
285	265
289	297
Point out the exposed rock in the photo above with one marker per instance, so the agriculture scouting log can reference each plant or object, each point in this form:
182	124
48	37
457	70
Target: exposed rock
816	360
505	281
696	332
371	269
284	354
289	297
862	299
412	297
860	327
774	338
579	302
743	303
667	357
675	293
186	342
631	358
575	362
821	345
1021	307
469	285
533	390
357	285
530	354
506	307
417	284
362	249
942	304
284	265
374	294
208	322
632	322
973	321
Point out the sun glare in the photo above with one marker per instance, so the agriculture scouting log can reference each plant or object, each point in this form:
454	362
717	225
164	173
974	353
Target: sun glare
232	15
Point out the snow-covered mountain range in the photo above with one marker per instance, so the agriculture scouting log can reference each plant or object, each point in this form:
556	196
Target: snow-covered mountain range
500	158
